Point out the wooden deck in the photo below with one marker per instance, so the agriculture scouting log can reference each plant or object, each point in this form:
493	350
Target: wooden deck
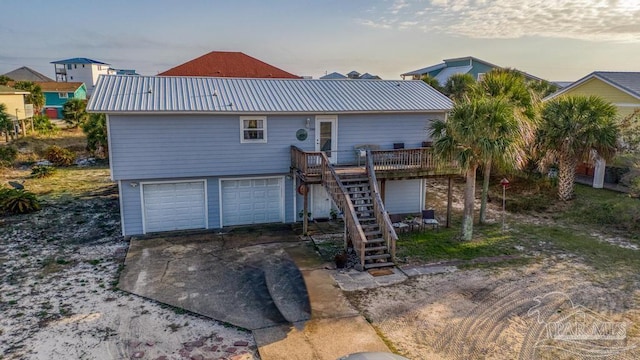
388	164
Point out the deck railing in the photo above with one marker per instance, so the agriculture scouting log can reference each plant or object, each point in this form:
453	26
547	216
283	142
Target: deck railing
382	218
419	159
340	197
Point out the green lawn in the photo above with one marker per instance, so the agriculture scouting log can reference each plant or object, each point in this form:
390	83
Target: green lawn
568	231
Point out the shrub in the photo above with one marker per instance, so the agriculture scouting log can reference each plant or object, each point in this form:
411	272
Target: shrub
60	156
42	171
44	126
8	155
14	201
96	130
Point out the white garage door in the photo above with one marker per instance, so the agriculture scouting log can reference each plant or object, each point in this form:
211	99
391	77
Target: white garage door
252	201
174	206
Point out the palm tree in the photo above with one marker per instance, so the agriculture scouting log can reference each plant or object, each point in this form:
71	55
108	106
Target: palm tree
74	112
459	85
6	125
431	81
572	128
511	86
35	97
469	136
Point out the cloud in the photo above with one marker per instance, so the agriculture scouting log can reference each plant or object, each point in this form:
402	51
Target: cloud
595	20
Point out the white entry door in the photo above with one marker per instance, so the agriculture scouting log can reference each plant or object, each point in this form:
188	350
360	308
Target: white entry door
327	136
321	203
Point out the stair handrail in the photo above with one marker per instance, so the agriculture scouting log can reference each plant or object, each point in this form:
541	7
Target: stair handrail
340	196
382	217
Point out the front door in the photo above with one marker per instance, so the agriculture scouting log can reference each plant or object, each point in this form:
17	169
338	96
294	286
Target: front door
326	136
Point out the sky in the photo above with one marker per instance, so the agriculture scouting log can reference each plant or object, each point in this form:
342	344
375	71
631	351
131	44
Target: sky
558	40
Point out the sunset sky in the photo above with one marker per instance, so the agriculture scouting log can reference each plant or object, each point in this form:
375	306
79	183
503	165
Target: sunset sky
556	40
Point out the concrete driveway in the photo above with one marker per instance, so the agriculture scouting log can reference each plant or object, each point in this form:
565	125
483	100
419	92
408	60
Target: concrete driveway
243	277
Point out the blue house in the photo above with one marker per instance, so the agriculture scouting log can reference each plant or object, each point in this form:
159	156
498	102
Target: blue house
464	65
207	153
56	94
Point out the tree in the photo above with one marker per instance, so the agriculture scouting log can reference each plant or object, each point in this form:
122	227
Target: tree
469	136
6	125
4	80
74	112
35	97
96	130
511	86
431	81
572	128
459	85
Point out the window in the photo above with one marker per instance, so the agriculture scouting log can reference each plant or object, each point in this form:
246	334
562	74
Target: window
75	66
480	76
63	95
68	66
253	129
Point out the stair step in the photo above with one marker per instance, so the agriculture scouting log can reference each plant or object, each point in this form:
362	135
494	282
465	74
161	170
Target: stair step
358	179
366	219
375	241
371	233
375	248
378	265
376	257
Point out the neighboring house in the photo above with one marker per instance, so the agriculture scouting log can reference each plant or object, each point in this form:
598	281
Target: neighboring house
126	72
622	89
206	153
27	74
81	70
56	94
351	75
14	100
228	64
464	65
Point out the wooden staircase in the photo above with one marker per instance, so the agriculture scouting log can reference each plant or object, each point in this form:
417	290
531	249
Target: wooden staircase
376	252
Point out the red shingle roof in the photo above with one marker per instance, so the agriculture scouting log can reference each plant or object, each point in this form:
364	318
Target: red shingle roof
228	64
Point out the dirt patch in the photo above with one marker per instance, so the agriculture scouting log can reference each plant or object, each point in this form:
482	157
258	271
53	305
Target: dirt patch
59	296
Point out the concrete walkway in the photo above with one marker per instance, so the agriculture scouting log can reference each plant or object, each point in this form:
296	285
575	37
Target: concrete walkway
335	329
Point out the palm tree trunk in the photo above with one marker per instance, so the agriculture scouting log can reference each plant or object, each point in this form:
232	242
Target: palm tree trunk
469	198
485	192
566	177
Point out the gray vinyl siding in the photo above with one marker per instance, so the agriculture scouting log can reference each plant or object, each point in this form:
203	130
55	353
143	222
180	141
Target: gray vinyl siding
168	146
383	130
403	196
132	206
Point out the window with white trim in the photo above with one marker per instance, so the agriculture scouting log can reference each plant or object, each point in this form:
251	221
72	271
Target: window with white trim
253	129
63	95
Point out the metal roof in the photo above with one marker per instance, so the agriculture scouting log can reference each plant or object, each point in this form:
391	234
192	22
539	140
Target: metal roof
79	61
144	94
446	73
628	82
425	70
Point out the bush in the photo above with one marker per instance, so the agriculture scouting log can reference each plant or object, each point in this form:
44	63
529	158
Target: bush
96	130
8	155
14	201
42	171
44	126
60	156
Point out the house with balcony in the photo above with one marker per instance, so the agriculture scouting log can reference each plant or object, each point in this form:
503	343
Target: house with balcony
463	65
81	70
209	153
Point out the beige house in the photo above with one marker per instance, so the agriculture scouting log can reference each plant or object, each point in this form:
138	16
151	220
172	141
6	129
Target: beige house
14	101
622	89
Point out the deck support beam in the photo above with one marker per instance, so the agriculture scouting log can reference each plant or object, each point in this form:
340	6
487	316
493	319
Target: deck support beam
449	201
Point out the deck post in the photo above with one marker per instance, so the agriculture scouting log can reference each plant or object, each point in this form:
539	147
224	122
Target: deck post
449	201
305	212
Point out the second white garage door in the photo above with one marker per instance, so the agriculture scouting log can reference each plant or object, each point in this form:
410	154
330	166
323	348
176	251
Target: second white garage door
252	201
174	206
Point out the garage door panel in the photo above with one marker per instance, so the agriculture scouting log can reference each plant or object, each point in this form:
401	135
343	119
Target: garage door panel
253	201
174	206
